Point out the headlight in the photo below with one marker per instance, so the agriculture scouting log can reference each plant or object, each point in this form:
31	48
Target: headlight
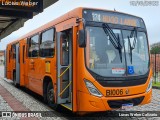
149	86
92	89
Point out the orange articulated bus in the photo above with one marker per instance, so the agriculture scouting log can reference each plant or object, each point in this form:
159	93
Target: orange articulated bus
86	60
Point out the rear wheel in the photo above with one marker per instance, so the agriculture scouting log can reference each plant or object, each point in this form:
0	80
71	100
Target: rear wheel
51	96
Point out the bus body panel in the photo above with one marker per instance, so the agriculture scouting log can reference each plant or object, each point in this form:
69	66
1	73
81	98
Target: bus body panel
35	70
8	62
75	75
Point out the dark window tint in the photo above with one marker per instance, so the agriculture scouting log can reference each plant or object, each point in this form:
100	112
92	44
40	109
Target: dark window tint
9	55
23	52
13	51
34	46
47	46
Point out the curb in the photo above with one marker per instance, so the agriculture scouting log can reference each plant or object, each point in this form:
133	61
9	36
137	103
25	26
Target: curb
15	104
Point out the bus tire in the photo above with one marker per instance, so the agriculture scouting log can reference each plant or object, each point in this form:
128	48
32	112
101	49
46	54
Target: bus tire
14	79
51	96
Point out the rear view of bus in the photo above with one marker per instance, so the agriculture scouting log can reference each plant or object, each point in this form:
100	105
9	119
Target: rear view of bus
116	71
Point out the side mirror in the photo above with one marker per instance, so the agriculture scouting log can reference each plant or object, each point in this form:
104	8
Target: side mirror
81	38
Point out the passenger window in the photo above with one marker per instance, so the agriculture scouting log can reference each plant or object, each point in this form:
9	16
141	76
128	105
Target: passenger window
64	43
34	46
14	51
47	46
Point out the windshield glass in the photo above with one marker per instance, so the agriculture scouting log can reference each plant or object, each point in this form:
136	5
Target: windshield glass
140	55
104	59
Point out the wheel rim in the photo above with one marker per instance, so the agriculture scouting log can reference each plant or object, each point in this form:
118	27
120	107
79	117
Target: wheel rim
50	95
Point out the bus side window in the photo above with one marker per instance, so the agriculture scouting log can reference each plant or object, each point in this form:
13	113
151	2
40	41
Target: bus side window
9	55
14	51
33	50
28	46
23	52
64	49
47	44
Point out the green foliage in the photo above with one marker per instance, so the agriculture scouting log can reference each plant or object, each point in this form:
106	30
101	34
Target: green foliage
155	50
157	84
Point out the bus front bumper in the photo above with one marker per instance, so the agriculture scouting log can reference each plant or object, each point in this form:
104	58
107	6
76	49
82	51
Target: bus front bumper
90	103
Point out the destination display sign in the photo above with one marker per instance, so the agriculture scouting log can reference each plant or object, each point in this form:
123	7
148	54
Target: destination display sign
112	17
22	5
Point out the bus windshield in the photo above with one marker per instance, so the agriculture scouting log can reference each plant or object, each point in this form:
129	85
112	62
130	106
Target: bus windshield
104	59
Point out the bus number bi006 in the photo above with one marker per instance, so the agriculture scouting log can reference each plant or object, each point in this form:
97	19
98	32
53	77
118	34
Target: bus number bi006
114	92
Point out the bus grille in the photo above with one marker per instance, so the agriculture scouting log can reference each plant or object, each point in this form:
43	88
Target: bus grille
122	83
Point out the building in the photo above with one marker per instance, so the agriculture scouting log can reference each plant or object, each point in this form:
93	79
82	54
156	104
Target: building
1	57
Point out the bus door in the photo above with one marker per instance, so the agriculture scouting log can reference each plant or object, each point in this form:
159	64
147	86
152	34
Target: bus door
17	61
64	68
22	63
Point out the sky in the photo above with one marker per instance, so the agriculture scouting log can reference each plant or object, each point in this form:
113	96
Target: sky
150	15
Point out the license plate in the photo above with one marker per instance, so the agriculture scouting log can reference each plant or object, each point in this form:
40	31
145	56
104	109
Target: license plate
127	106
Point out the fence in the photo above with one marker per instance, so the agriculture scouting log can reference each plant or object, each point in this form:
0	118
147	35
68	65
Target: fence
155	61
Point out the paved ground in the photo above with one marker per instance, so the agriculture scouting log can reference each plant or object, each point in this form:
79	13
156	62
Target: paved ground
13	99
1	71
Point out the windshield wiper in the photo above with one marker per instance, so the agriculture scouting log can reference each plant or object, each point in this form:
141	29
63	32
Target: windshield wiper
114	40
133	34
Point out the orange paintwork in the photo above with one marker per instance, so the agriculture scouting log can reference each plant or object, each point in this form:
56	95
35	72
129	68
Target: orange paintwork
82	99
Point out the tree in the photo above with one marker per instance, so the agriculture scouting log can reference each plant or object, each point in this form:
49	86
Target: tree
155	50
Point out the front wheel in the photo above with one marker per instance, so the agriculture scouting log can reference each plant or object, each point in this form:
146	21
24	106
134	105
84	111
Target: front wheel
51	96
